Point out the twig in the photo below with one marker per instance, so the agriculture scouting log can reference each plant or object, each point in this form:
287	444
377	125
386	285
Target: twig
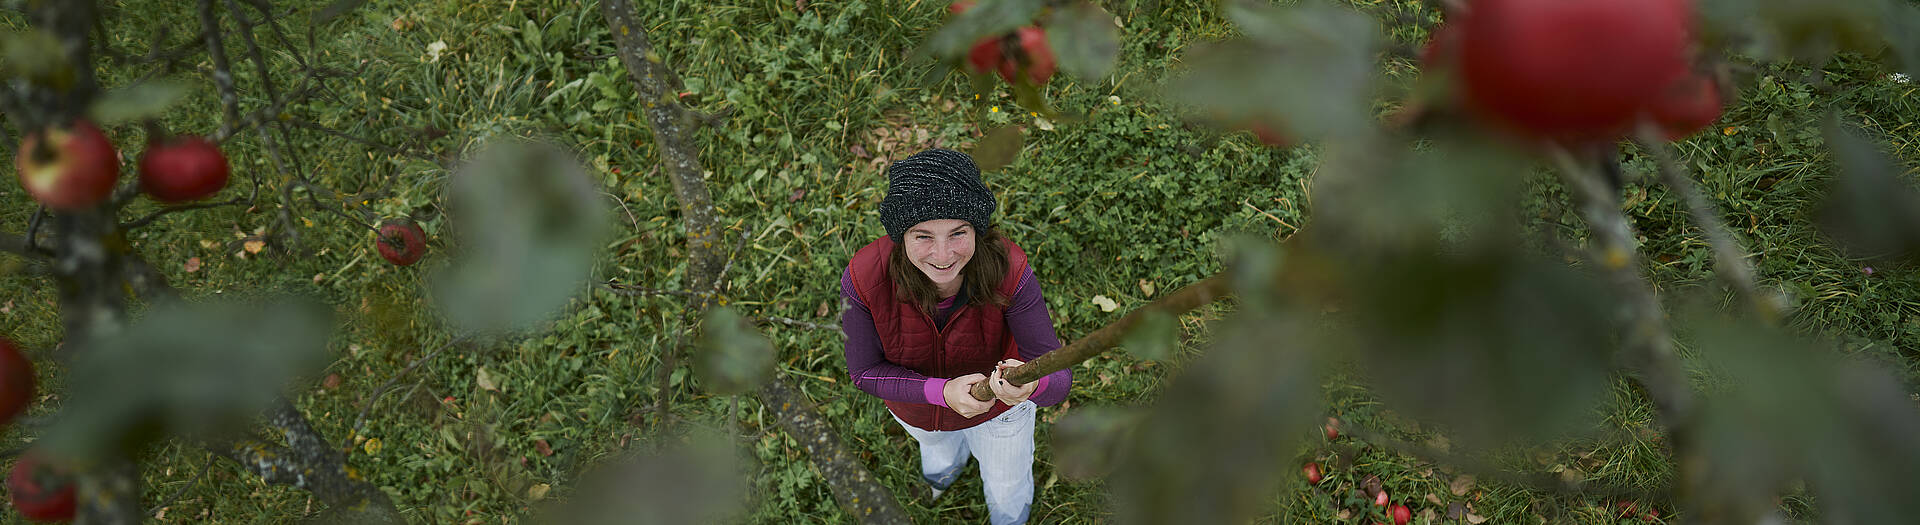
183	489
634	290
149	218
795	323
360	423
1729	260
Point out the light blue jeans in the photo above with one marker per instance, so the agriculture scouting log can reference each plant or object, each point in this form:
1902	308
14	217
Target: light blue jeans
1004	446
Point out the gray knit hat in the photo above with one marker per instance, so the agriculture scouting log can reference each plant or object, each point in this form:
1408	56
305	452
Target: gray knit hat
935	184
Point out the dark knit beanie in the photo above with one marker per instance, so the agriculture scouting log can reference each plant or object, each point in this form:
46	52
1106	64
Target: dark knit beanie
935	184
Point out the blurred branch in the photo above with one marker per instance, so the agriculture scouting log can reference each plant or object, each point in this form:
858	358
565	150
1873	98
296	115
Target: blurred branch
1730	261
859	494
1649	344
1208	290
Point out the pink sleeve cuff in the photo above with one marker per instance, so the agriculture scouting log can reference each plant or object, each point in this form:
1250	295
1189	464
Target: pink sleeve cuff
1042	388
936	391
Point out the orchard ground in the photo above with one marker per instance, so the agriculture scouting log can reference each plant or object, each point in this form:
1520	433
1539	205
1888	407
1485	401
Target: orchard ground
1131	202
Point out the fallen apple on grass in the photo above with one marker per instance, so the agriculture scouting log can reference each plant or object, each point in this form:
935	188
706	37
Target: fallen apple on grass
40	492
401	241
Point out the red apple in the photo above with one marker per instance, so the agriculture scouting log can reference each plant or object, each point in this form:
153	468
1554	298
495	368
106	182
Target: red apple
1313	472
68	169
985	56
1033	55
1333	429
1571	70
959	6
40	492
1380	500
183	169
1401	514
16	382
1686	107
402	242
1270	136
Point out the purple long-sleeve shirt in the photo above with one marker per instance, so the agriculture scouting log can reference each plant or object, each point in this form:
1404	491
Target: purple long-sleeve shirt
1026	317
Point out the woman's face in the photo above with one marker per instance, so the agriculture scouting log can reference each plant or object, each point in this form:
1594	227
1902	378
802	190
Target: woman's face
940	248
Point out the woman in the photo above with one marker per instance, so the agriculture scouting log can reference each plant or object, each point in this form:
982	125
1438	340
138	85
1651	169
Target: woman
943	303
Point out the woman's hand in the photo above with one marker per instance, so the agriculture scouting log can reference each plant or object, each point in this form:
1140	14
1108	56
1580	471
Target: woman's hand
1005	391
960	399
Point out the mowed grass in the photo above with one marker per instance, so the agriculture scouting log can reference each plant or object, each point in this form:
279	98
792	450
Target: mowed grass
1131	202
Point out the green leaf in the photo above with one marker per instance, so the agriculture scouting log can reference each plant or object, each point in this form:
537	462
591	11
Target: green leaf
1869	210
735	358
1207	449
138	101
986	18
1155	338
1089	443
528	221
33	54
1810	30
1787	409
1084	40
187	370
998	149
1306	69
334	10
698	479
1499	346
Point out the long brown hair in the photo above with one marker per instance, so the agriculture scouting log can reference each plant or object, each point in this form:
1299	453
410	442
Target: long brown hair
979	279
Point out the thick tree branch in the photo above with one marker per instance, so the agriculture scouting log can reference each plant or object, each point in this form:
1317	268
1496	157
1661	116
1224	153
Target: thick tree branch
672	130
673	127
859	494
1208	290
319	471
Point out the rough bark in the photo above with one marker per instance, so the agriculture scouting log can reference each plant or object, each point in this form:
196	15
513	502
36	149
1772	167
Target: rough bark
673	127
859	494
1208	290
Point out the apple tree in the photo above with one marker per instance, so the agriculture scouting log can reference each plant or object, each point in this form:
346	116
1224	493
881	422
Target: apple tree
142	361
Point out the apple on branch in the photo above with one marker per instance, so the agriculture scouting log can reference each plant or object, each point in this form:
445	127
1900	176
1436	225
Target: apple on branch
70	168
183	169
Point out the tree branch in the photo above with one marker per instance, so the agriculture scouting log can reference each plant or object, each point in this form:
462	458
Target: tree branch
859	494
352	500
1208	290
1730	262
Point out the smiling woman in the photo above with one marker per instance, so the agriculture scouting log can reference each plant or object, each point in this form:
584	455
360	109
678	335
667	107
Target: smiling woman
943	303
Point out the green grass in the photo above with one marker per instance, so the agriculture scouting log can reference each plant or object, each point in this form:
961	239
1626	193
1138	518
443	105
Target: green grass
1132	195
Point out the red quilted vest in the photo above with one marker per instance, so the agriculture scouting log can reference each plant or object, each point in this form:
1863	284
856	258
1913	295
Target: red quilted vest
975	337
